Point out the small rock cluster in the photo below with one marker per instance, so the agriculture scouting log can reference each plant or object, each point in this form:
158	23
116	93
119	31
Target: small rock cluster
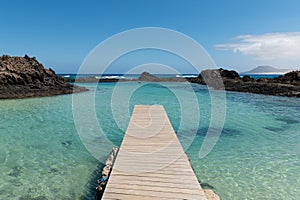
105	173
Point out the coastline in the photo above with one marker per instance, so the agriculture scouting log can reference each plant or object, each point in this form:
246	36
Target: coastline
285	85
22	77
19	92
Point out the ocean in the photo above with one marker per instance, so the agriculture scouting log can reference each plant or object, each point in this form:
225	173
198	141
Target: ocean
133	76
123	76
256	157
257	76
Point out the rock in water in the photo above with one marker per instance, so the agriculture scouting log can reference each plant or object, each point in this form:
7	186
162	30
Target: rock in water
146	76
229	74
22	77
287	85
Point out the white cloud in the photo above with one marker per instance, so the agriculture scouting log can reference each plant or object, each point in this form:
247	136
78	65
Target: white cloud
266	47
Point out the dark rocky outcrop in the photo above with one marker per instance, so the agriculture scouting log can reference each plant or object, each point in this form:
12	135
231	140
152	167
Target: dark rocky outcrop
292	78
287	85
22	77
231	74
247	78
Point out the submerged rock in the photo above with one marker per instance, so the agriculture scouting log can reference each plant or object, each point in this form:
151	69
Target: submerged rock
22	77
16	171
287	120
29	197
67	143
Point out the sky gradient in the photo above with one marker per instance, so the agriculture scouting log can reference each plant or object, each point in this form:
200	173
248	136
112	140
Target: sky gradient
237	34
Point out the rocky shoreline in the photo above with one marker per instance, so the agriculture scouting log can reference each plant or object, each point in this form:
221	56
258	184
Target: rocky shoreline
286	85
22	77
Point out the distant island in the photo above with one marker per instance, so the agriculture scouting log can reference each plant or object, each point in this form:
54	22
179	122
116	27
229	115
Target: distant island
22	77
266	70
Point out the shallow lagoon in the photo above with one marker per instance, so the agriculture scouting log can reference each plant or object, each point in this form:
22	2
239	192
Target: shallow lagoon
256	157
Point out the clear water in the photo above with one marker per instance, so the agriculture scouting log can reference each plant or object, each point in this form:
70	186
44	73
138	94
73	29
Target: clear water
256	157
257	76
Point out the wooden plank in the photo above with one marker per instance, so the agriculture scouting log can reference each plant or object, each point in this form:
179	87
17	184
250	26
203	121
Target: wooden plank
151	163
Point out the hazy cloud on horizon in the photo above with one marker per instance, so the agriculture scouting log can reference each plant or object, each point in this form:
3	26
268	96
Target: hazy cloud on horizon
278	47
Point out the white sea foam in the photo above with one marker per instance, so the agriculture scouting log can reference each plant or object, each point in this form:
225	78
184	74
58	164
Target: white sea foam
110	77
189	76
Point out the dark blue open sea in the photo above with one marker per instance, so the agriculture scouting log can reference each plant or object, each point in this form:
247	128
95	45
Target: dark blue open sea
122	76
131	76
256	157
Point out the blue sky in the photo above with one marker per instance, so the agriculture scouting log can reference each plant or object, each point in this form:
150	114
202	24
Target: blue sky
238	34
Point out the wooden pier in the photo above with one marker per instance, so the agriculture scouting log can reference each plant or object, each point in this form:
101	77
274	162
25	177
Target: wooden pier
151	163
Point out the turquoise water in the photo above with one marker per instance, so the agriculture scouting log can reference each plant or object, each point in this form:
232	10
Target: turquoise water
256	157
257	76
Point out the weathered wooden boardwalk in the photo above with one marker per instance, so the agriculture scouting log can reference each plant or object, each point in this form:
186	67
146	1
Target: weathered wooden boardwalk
151	163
